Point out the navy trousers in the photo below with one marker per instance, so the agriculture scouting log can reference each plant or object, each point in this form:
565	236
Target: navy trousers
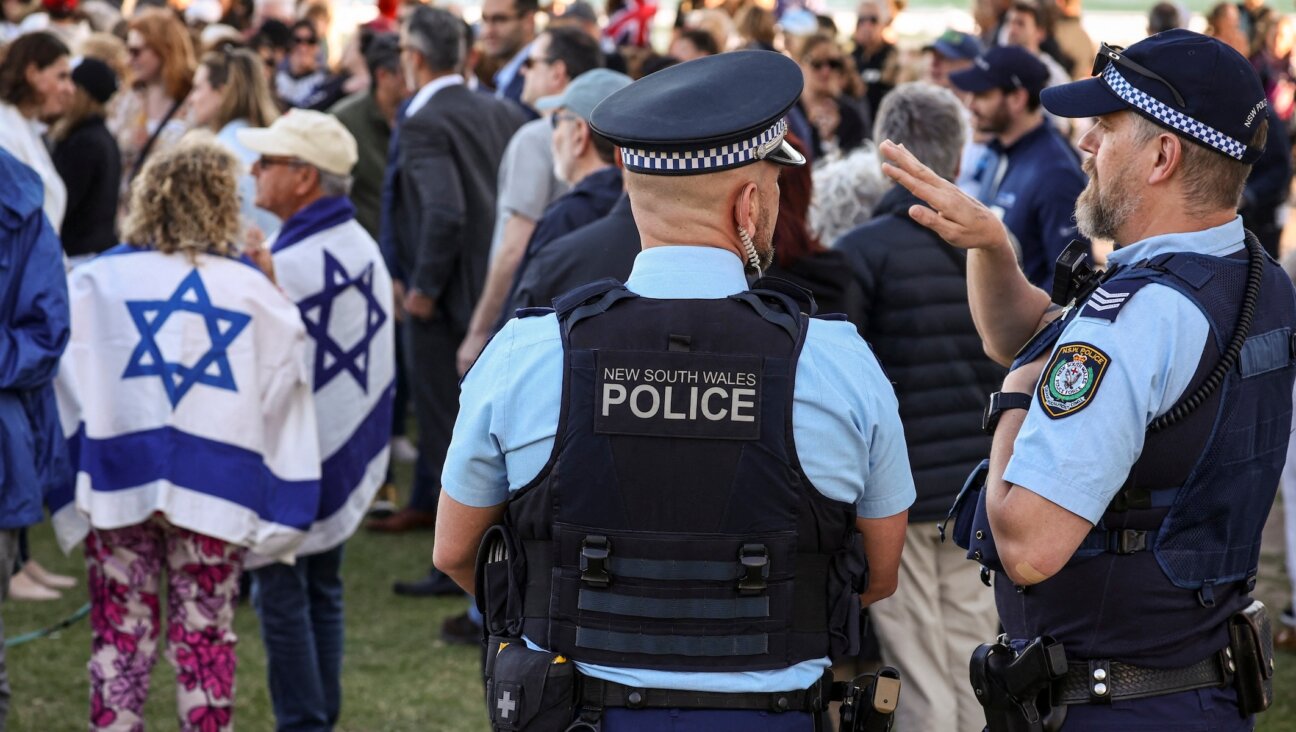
1201	710
704	720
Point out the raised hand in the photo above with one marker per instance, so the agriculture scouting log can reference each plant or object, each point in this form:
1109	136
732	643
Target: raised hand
952	214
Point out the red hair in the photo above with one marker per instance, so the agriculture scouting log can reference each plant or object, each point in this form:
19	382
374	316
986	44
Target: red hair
163	32
792	236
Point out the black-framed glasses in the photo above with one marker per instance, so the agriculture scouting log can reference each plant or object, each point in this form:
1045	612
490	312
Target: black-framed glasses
500	18
529	62
1115	54
561	117
835	64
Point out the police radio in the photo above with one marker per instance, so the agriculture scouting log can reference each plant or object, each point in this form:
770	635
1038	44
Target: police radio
1074	277
870	707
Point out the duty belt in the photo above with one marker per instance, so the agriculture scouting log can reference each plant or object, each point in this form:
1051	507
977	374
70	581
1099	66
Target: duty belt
1101	682
598	693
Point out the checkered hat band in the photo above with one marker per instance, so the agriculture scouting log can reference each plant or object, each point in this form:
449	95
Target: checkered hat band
1178	120
716	158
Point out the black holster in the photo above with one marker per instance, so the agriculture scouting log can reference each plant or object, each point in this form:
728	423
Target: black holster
1016	689
870	707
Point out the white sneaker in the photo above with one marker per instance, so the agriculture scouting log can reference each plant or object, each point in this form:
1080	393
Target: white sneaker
23	587
403	450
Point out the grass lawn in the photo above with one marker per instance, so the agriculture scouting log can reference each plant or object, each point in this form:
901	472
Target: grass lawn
397	676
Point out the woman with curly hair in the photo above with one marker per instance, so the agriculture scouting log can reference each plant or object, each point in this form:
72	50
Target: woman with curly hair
187	404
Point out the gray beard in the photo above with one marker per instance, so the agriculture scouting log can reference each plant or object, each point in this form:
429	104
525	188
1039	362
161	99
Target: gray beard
1100	214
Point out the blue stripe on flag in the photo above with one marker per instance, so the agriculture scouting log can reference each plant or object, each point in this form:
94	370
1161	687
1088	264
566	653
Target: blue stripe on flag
342	471
192	463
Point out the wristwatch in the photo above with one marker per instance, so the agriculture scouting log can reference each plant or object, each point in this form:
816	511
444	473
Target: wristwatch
999	402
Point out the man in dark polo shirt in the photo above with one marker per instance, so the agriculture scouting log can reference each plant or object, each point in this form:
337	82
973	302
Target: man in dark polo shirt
368	115
1030	175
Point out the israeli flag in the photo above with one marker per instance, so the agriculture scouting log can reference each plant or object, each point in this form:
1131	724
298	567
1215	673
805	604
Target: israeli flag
326	263
184	391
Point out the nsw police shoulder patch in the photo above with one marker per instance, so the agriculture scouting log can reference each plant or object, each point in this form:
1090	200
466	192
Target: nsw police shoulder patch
1072	379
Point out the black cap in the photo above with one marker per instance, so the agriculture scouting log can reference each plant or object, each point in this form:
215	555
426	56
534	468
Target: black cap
1002	67
704	116
1188	83
96	77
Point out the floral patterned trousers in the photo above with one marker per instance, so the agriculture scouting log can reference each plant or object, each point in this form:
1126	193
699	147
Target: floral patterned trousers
125	570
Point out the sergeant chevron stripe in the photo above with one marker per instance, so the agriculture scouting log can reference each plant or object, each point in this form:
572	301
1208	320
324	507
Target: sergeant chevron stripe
1103	300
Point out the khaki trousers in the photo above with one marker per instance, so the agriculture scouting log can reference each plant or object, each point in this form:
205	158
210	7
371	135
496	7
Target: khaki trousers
928	629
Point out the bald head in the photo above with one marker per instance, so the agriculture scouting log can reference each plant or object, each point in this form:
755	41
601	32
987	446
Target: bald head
709	209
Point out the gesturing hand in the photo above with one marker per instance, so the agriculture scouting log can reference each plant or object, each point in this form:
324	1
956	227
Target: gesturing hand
953	215
419	305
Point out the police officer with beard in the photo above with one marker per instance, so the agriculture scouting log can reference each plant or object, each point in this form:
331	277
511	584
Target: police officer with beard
693	472
1140	433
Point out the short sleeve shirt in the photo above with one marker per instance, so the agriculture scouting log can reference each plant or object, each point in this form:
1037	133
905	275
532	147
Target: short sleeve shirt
843	406
1079	459
527	184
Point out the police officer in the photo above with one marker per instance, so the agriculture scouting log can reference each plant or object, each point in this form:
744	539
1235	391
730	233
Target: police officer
692	470
1140	434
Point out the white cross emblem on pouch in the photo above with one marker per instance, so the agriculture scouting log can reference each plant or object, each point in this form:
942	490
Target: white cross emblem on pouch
506	705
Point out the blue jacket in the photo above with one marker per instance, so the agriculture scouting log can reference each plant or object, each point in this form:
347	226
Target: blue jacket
1033	186
33	333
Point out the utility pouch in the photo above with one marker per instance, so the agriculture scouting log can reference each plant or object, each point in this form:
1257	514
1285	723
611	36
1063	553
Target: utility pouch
1251	645
963	511
501	575
847	578
526	690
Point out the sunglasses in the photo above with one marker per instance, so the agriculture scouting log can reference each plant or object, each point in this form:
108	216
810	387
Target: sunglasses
529	62
500	19
832	63
305	40
265	161
1108	55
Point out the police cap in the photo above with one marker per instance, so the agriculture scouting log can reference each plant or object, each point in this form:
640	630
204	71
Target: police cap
1191	84
705	116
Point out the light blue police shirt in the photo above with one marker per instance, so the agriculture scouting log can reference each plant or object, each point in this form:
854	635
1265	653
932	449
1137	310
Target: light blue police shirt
1080	460
844	418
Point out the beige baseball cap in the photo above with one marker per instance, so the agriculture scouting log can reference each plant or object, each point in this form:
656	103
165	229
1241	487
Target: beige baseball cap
312	137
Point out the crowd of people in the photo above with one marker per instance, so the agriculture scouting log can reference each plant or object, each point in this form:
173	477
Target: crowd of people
403	189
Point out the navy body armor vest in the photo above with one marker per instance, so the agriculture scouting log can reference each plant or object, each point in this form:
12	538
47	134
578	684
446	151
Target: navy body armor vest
1176	553
673	527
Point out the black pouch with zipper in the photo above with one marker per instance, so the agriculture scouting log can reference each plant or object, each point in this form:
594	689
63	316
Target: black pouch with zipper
528	690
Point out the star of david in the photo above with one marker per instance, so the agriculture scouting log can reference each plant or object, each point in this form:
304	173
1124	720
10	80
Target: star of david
330	358
212	368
